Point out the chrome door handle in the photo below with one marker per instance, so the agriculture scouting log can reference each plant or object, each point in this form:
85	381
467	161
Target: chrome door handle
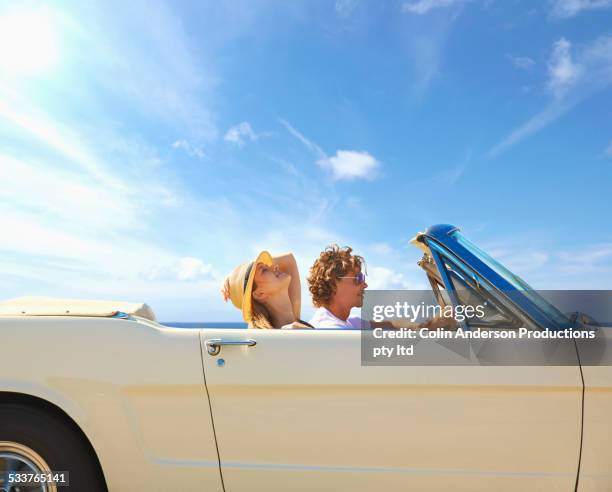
213	346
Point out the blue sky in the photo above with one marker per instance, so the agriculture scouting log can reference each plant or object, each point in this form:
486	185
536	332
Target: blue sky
146	149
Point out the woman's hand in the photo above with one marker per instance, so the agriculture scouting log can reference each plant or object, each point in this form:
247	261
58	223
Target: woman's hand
285	263
225	289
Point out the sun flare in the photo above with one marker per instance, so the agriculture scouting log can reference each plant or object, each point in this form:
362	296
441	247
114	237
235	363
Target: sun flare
28	43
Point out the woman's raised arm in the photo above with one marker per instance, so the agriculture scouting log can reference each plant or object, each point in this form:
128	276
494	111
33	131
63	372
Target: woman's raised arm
286	263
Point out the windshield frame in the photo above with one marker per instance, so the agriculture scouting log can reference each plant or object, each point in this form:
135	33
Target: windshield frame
449	240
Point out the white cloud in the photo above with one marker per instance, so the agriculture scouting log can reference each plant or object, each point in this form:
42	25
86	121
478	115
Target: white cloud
105	184
242	132
424	42
190	149
287	166
595	258
350	164
450	176
573	76
533	125
446	178
524	262
65	196
189	268
562	71
307	143
381	248
574	266
382	278
563	9
344	8
426	52
63	139
345	165
421	7
522	62
186	268
97	252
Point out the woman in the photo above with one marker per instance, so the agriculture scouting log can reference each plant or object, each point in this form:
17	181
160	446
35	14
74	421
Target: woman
267	291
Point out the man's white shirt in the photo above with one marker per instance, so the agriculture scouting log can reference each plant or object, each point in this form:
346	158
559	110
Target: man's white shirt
324	319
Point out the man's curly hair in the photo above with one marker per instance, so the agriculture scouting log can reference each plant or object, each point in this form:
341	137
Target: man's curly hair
332	263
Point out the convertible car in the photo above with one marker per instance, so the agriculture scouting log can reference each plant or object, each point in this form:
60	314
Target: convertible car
102	393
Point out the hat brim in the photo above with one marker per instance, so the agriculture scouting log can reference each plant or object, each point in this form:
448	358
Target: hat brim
247	300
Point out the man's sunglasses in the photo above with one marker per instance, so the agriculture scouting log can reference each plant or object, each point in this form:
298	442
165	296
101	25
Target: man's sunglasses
359	278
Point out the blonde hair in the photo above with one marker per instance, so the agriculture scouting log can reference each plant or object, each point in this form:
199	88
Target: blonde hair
261	316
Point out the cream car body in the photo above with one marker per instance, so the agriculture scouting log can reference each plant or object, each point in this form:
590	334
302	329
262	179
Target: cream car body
162	409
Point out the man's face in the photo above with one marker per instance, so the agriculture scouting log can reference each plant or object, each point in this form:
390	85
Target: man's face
349	292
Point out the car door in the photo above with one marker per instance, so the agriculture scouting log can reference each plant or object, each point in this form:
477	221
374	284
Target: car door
596	460
298	411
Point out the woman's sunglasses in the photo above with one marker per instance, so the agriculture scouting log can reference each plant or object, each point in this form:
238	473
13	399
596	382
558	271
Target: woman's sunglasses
359	278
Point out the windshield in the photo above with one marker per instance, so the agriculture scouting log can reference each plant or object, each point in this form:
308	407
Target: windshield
518	283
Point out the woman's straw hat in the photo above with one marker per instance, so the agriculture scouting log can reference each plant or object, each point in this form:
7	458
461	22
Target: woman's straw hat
241	284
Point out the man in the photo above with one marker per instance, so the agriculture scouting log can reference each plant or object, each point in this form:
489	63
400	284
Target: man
336	284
